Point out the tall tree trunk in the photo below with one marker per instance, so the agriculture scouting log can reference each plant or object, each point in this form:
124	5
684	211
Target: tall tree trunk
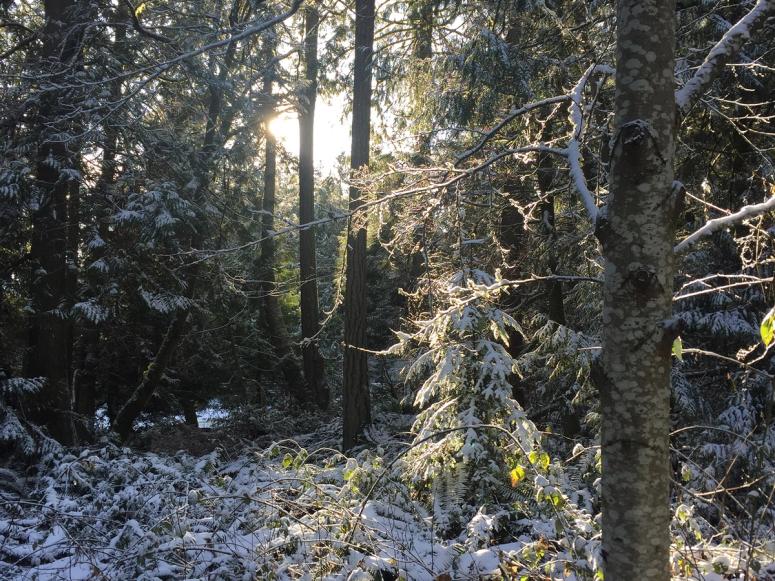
422	23
310	324
85	381
637	235
85	377
50	336
278	334
355	390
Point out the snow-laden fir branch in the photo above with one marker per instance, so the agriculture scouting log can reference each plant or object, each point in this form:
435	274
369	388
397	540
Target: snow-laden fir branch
724	50
718	223
577	174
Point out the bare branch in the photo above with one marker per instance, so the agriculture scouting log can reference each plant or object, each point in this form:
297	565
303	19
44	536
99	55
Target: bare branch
505	121
140	28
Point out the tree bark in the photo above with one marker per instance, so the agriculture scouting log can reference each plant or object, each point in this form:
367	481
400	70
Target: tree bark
85	382
278	334
189	410
122	425
422	23
555	306
355	389
50	336
637	233
310	323
85	375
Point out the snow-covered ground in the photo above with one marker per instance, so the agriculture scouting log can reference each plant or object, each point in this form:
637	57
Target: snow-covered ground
283	512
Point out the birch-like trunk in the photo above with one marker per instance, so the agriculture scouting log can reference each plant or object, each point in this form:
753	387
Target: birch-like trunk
637	233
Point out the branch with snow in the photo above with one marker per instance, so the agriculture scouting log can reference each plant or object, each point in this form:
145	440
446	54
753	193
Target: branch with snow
577	94
718	223
577	174
573	150
724	50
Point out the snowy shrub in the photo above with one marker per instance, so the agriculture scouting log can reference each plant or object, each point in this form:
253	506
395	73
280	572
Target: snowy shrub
470	432
15	432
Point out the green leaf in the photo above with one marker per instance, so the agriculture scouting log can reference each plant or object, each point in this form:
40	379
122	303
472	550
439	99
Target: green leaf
301	458
767	328
556	499
140	8
540	459
683	513
287	461
678	349
517	475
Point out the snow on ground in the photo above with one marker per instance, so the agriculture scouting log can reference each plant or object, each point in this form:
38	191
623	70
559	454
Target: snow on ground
282	512
113	513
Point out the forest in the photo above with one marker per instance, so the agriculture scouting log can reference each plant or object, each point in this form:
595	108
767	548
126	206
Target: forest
387	290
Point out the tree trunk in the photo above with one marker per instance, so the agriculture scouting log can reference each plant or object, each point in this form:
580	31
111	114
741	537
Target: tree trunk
151	378
555	307
637	234
310	324
85	378
85	382
355	390
422	22
278	334
50	335
189	410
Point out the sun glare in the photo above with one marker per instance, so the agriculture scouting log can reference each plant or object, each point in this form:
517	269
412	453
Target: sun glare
285	128
332	134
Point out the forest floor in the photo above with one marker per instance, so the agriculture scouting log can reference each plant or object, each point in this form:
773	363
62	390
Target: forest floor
267	495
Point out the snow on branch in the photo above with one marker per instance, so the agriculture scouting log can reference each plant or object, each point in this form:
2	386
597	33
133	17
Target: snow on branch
572	152
577	95
718	223
577	174
573	149
724	50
